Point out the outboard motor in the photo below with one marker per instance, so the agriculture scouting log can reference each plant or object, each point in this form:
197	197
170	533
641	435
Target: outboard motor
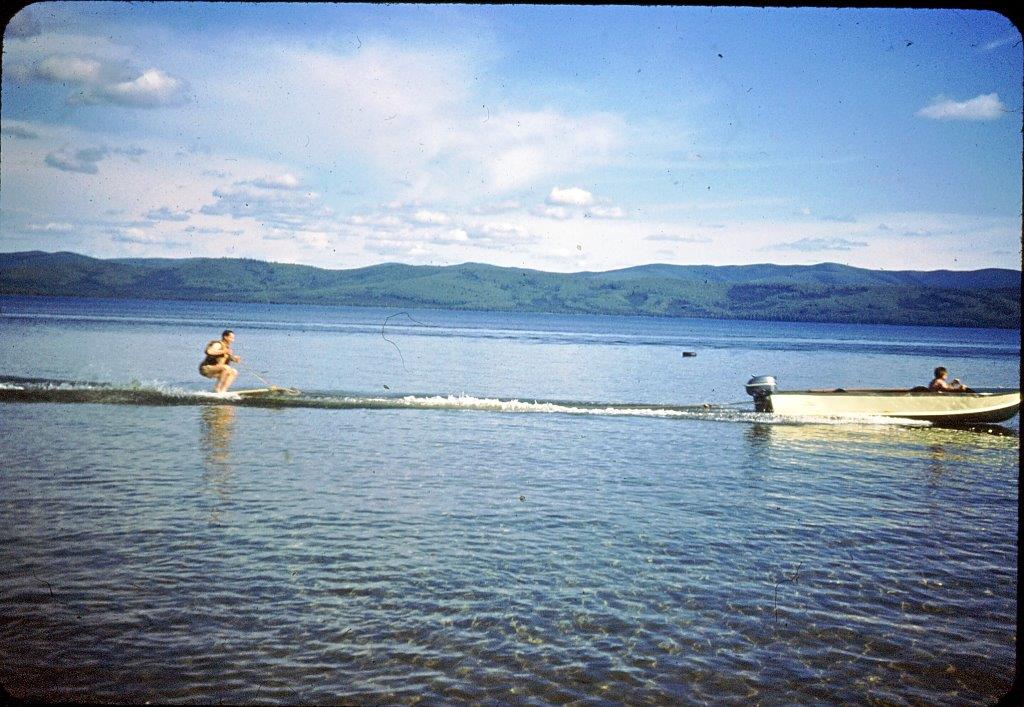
761	389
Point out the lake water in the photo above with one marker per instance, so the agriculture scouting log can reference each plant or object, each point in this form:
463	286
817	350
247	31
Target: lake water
468	506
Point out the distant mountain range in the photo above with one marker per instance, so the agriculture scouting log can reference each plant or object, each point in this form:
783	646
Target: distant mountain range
827	292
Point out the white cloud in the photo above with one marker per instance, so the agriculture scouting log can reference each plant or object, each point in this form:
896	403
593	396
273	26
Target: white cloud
606	212
152	89
69	69
985	107
389	104
673	238
430	218
573	196
520	148
413	117
565	203
131	152
107	81
166	214
817	244
167	182
141	236
506	236
375	220
455	236
83	161
17	128
310	239
86	160
66	41
427	238
383	246
502	229
208	231
50	228
280	209
281	181
559	213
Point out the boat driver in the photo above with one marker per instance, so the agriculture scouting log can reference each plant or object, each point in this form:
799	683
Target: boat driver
218	356
939	383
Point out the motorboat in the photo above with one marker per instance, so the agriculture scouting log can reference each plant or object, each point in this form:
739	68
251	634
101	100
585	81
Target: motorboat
947	408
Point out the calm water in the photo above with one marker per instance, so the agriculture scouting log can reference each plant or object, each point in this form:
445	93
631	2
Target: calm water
492	507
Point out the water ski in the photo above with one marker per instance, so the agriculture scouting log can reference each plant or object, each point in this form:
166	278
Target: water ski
273	390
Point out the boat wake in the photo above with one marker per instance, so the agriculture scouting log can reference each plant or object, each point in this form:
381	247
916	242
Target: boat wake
30	390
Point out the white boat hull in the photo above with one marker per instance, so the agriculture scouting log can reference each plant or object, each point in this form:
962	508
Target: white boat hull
980	407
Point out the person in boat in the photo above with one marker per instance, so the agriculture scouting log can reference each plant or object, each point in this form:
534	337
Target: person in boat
218	356
939	383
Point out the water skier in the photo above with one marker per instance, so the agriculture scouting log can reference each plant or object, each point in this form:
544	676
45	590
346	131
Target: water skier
218	356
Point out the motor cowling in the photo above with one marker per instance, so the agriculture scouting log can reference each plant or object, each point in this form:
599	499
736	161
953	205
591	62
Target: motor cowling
761	388
761	385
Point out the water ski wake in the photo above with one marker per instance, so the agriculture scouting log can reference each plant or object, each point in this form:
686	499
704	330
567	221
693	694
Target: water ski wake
54	391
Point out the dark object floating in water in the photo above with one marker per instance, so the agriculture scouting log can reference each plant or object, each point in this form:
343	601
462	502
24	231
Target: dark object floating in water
689	354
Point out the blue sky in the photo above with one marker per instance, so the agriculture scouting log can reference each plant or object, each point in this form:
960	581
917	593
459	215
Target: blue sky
561	138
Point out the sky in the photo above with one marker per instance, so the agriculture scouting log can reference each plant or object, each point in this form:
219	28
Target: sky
561	138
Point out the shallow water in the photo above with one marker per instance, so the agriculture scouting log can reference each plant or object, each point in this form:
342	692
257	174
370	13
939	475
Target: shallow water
380	554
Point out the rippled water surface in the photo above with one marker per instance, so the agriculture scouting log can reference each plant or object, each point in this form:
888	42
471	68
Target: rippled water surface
204	552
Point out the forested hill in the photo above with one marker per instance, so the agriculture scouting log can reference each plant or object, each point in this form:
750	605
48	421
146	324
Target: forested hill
827	292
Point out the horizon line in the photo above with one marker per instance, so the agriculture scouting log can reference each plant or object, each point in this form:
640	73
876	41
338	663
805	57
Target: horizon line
502	267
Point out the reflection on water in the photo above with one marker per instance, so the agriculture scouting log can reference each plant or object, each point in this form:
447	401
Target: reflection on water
936	450
938	460
759	434
217	423
990	436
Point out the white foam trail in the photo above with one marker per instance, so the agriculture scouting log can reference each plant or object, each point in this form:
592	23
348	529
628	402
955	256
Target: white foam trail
467	402
709	412
228	395
771	419
705	412
173	391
